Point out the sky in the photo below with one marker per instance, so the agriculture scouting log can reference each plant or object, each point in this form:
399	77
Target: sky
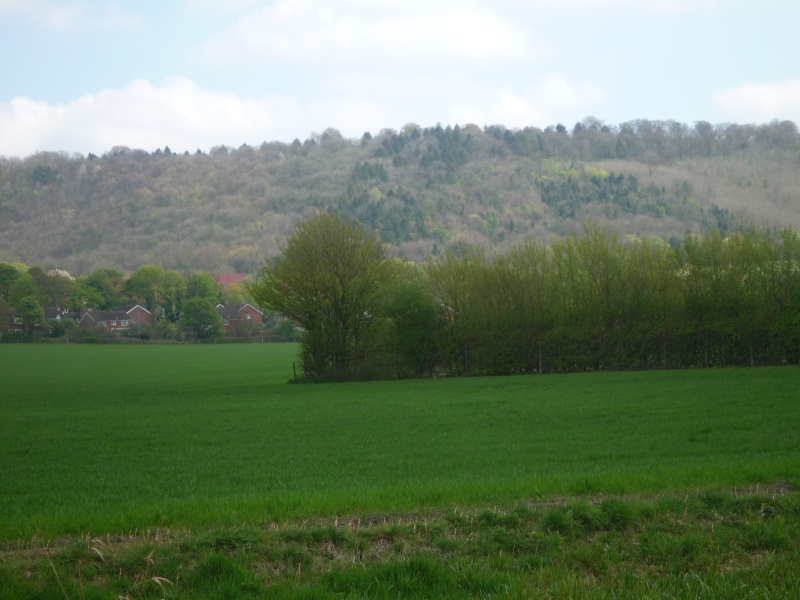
83	76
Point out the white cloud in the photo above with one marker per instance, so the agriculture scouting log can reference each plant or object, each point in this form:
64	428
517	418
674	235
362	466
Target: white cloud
310	30
760	103
176	113
24	124
555	98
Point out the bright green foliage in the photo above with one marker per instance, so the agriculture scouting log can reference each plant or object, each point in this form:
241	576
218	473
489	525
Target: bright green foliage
147	286
737	291
202	285
55	288
8	276
23	287
415	322
595	302
199	317
84	296
455	280
108	285
328	280
161	291
588	302
31	313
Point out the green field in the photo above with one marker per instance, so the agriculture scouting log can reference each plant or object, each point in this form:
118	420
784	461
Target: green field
130	440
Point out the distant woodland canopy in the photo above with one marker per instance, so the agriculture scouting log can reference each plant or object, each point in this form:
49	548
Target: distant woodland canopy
588	302
423	190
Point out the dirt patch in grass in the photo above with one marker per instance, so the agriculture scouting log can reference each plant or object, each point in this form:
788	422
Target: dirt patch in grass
165	535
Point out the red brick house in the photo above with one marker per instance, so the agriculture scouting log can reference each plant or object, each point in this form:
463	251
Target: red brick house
13	323
241	320
119	320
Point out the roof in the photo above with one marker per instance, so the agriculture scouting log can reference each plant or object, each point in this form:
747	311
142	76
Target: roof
233	313
119	314
128	309
59	313
106	315
229	278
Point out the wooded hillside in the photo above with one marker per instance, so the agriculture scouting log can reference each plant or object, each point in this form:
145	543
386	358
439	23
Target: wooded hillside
421	189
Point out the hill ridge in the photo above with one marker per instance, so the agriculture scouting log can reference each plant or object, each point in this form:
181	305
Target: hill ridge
421	189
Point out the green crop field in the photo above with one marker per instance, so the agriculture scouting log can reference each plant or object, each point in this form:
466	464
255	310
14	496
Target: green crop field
127	441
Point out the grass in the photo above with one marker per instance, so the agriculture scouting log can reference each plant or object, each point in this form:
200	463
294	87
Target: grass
119	438
720	545
196	471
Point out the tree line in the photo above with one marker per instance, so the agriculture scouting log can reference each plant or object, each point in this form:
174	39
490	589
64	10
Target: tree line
181	304
592	301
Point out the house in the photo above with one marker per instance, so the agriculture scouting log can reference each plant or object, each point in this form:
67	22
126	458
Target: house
60	314
14	323
240	320
119	320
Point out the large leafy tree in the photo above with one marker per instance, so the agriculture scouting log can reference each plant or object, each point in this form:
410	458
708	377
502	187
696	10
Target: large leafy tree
329	280
146	286
457	280
416	322
200	318
85	296
56	287
107	285
31	313
162	291
202	285
24	287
